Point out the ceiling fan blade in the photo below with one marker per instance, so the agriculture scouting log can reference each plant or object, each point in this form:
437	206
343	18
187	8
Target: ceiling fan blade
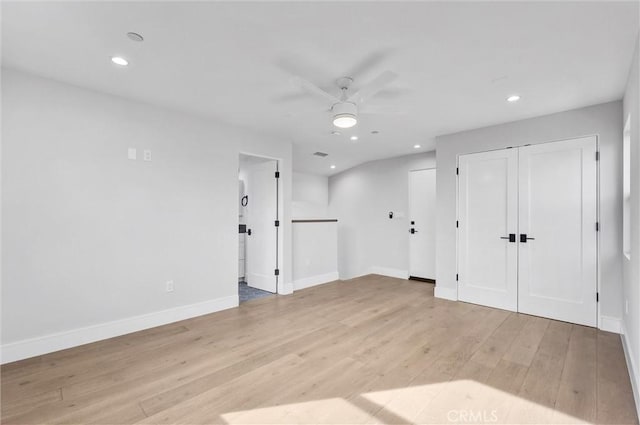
368	63
301	65
382	110
313	89
373	87
388	113
392	93
289	97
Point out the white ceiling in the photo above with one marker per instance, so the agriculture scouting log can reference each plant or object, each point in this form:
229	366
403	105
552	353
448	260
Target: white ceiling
457	62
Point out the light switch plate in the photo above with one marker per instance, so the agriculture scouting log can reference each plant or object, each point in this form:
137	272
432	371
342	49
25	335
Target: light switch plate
131	153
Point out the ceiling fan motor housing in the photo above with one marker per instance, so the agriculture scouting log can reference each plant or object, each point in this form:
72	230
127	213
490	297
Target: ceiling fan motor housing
344	108
344	114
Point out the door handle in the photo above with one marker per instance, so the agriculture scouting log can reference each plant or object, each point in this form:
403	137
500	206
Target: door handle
248	232
511	237
524	238
412	231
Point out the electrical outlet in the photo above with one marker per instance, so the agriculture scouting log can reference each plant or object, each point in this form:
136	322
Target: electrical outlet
147	155
169	286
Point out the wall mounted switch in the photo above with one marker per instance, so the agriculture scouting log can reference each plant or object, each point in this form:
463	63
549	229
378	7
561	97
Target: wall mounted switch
131	153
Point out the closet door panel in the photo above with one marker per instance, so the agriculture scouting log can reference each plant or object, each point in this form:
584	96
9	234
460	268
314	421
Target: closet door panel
557	213
487	203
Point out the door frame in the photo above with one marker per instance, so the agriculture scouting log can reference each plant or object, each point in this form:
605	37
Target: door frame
280	240
409	215
598	217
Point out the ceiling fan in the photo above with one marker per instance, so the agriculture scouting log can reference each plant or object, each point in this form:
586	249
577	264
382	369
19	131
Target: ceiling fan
345	108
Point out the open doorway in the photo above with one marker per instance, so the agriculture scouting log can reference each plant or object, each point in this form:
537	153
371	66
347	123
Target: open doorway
259	227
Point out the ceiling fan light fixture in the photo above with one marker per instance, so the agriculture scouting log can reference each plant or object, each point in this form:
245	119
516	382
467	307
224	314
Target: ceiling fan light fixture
344	120
345	114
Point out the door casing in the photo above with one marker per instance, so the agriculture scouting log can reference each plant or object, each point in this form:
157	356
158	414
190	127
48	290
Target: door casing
280	262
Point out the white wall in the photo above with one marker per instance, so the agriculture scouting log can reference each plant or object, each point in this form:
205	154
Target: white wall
315	255
90	237
605	120
631	267
315	245
310	195
361	198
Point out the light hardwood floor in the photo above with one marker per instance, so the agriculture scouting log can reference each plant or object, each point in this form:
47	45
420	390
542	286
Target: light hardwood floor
368	350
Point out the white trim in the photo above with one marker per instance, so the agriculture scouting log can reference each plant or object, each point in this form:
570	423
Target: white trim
59	341
445	293
632	367
385	271
610	324
285	288
318	279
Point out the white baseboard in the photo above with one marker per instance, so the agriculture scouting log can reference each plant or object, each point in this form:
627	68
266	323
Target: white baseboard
285	288
385	271
632	367
319	279
445	293
610	324
59	341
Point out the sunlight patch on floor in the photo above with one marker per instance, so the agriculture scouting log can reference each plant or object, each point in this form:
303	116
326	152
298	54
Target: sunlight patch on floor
461	401
465	401
330	410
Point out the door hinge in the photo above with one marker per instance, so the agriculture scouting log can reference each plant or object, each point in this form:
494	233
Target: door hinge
277	223
457	223
456	277
277	174
277	272
457	171
597	155
597	226
597	297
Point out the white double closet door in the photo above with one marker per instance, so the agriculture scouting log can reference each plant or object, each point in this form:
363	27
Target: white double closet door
527	237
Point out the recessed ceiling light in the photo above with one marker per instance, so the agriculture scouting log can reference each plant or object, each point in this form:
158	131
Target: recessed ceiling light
335	133
135	36
513	98
333	166
119	61
417	146
354	137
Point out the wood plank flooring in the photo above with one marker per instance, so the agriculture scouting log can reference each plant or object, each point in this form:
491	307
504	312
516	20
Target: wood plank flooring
367	350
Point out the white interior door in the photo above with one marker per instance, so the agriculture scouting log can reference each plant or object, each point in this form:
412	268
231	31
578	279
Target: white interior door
558	213
422	215
261	244
488	213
